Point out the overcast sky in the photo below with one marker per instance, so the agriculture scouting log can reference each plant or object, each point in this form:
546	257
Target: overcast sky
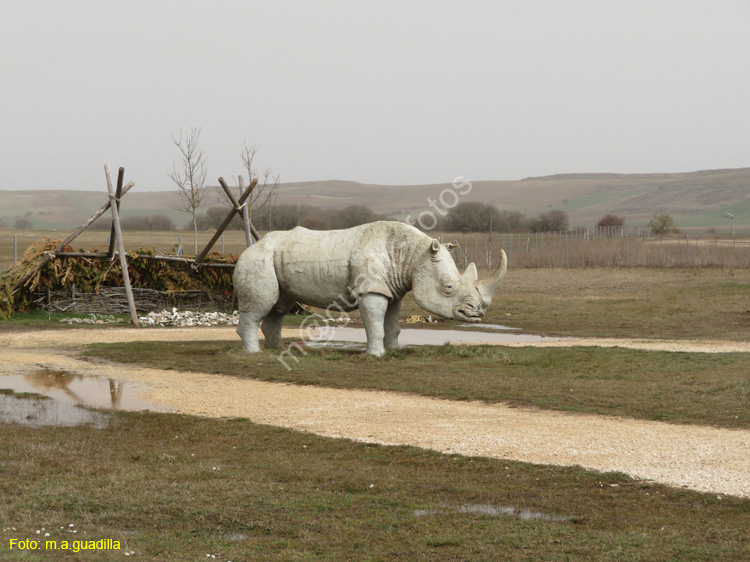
379	92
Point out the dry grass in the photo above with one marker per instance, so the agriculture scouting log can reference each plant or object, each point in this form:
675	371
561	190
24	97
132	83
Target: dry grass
555	250
525	250
177	488
630	303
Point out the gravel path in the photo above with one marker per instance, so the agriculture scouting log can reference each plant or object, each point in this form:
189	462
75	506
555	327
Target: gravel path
698	457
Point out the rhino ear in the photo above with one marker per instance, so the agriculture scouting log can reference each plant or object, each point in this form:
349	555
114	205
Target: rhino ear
471	273
435	245
451	245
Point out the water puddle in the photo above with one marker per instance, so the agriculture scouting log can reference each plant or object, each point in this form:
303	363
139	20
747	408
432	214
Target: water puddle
50	397
496	510
488	326
348	345
421	336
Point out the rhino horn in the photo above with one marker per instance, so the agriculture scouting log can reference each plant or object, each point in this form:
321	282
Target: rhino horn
470	274
488	287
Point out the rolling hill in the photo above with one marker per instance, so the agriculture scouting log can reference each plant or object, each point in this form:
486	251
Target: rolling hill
694	199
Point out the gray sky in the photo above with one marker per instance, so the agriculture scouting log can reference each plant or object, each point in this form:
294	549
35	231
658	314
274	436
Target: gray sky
379	92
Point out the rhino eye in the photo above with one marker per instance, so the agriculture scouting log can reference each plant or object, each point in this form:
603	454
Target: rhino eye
447	286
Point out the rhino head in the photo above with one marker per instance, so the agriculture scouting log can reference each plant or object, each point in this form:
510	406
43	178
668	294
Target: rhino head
438	287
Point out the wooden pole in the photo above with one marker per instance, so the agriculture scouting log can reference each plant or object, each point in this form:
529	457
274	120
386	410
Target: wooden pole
227	220
249	224
111	251
245	213
51	255
121	247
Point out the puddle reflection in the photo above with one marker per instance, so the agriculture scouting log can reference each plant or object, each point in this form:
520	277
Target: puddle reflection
66	393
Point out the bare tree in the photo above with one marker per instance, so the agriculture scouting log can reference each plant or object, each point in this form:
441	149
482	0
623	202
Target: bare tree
265	192
191	177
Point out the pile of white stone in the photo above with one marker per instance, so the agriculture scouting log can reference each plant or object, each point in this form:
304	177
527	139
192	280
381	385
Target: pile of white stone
93	319
187	318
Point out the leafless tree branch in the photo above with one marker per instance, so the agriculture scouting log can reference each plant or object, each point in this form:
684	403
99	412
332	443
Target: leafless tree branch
265	192
190	177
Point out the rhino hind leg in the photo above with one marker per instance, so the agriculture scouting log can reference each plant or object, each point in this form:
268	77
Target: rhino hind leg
248	330
390	325
373	308
257	295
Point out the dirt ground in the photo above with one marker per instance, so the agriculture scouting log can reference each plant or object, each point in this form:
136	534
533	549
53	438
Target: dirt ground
698	457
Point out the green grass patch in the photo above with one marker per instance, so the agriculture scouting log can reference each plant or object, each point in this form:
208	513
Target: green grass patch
39	319
23	395
171	487
677	387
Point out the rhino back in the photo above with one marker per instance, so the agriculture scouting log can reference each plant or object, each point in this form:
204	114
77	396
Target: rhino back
313	266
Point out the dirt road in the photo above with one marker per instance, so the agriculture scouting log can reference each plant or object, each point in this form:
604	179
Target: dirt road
702	458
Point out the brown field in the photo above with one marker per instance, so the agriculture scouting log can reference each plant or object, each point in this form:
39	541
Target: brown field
524	250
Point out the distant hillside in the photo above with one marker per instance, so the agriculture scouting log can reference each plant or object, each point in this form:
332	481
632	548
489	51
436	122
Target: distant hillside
696	199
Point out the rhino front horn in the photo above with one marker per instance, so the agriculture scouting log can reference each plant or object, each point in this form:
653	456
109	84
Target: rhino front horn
488	287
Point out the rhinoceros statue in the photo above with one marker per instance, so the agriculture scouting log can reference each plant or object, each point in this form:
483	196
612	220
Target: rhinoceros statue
370	267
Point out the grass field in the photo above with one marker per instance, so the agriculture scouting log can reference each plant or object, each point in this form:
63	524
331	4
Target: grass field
635	303
711	389
171	487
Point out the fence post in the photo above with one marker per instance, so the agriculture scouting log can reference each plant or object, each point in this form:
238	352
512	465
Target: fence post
15	249
626	250
121	247
687	249
567	263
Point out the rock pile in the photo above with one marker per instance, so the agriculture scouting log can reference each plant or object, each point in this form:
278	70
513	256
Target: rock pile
93	319
187	318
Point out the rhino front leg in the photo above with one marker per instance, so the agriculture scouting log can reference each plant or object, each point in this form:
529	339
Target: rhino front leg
271	325
373	308
392	329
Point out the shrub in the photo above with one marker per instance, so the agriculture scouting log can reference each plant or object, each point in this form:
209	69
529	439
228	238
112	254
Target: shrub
551	221
23	224
661	225
472	216
611	220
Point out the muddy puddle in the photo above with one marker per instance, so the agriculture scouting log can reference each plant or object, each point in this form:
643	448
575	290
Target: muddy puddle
331	336
49	397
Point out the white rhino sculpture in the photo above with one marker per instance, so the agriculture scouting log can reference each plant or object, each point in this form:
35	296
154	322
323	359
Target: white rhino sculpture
370	267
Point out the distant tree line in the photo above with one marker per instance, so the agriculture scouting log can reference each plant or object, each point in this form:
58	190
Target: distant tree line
285	216
474	216
146	222
468	216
